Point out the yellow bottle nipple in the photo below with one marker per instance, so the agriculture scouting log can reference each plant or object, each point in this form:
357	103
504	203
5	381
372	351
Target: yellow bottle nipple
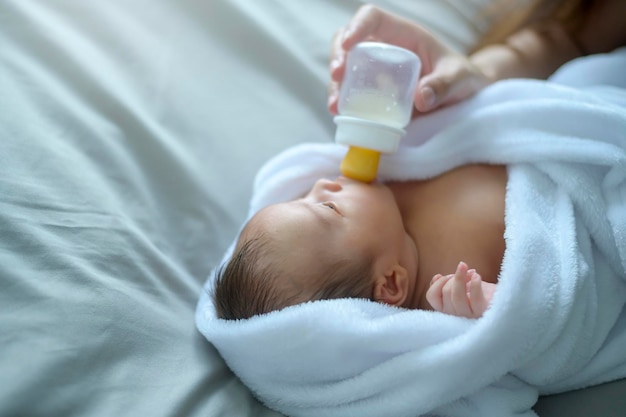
360	164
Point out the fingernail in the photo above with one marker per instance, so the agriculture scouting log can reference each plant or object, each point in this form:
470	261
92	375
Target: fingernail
471	271
435	278
428	96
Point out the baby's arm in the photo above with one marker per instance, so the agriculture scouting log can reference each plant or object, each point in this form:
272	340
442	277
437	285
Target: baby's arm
463	293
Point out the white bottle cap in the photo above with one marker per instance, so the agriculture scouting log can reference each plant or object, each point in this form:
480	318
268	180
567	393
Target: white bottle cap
353	131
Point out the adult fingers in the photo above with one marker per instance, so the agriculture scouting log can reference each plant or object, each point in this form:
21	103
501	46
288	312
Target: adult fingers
336	68
337	59
436	88
365	24
373	23
453	79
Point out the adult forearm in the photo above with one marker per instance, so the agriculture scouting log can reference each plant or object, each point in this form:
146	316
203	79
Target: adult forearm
527	54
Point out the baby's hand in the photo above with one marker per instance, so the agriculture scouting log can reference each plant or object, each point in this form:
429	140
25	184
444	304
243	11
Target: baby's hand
463	293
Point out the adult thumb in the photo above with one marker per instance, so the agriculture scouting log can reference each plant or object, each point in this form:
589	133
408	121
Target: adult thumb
448	83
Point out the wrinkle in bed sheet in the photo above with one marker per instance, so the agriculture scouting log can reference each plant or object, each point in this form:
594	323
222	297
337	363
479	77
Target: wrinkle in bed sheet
103	208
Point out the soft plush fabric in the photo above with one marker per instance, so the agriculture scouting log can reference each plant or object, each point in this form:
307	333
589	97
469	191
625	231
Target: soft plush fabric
557	320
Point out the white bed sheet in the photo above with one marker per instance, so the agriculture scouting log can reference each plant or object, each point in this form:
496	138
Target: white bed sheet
130	132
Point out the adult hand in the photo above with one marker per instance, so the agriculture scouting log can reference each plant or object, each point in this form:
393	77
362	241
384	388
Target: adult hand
447	76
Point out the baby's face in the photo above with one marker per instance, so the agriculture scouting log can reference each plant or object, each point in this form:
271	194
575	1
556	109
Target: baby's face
336	219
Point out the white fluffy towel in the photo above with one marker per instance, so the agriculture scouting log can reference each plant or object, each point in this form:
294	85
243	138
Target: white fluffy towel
557	320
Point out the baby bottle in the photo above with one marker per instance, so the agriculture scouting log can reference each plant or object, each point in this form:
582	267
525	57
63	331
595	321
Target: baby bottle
375	104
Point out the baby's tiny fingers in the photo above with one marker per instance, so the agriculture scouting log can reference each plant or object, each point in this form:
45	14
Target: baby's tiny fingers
434	295
459	300
477	300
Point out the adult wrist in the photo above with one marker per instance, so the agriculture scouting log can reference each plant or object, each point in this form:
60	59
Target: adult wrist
486	62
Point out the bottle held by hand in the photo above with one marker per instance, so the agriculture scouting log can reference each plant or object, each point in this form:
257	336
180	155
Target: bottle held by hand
375	104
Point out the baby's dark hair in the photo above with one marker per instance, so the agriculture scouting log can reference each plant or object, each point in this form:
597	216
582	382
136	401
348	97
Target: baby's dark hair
245	285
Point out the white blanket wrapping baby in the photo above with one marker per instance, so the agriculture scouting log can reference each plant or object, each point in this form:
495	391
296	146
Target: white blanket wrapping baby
557	321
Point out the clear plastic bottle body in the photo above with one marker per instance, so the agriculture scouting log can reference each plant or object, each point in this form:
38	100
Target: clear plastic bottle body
375	104
379	83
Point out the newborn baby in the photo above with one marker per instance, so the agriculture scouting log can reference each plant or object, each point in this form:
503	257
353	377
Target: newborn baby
393	243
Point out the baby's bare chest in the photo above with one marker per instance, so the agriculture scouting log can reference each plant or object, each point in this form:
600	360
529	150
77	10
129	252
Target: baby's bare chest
457	216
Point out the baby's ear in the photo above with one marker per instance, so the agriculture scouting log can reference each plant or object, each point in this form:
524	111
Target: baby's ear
392	287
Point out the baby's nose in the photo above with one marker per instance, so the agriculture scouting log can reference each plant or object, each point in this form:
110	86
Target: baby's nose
327	185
